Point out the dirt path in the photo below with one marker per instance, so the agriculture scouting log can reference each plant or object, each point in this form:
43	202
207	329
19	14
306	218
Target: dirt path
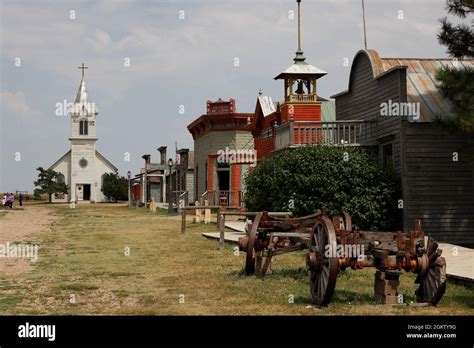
23	227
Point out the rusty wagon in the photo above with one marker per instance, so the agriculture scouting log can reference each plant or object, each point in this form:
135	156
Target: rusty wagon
324	236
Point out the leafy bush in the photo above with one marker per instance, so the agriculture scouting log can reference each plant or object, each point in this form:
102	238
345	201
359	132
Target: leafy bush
115	187
339	179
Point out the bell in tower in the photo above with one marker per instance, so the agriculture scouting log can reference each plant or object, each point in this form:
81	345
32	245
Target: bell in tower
300	90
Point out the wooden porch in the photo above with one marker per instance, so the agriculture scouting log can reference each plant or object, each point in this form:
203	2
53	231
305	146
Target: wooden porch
334	133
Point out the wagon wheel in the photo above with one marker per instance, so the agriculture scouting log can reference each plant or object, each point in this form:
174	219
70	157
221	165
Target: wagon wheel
433	279
322	269
347	222
250	259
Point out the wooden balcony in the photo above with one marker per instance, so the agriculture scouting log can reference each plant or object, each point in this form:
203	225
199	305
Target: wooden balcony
336	133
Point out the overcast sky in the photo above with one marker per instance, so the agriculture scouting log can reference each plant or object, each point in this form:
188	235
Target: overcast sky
173	61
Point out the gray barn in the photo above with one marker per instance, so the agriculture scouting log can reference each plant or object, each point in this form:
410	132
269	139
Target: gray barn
436	167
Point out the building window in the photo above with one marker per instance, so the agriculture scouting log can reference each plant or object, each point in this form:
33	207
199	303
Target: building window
387	156
83	128
266	134
83	162
60	178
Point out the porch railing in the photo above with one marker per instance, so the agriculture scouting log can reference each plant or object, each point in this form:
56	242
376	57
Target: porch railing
231	199
182	201
342	133
175	195
301	98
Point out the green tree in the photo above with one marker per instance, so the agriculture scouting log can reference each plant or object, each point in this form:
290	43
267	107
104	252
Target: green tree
115	187
48	183
457	85
305	179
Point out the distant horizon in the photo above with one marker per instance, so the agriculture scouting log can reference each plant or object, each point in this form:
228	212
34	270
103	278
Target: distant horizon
146	63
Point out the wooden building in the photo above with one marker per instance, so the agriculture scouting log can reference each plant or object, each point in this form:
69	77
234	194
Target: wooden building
160	180
221	131
435	167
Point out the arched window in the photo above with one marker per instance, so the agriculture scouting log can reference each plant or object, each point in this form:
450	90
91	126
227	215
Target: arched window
83	128
60	178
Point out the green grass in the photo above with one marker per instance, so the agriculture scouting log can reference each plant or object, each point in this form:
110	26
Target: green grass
84	254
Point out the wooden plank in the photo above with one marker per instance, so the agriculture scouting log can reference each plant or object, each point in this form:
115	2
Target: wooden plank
183	221
221	231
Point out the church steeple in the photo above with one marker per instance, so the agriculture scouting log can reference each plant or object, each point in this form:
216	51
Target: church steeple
82	105
83	113
82	92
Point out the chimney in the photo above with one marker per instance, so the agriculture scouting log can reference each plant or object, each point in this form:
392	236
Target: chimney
146	158
162	151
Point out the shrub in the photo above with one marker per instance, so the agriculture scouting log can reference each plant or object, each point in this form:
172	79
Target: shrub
115	187
339	179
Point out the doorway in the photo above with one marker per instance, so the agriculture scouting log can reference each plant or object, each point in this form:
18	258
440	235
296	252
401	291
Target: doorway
223	180
87	192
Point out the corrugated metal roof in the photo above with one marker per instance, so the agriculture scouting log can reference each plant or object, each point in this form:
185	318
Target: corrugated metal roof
422	86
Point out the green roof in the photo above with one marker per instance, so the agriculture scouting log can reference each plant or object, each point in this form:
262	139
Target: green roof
328	111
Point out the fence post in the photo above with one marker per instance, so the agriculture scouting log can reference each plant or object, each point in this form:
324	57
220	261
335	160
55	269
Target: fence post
221	230
198	213
183	220
207	213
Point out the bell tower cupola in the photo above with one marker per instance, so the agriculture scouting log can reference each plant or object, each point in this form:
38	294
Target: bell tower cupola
300	78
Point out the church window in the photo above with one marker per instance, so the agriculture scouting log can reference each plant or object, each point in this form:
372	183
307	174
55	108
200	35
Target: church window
60	178
83	162
83	128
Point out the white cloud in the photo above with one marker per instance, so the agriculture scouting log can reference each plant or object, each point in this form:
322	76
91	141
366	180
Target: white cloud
14	102
99	41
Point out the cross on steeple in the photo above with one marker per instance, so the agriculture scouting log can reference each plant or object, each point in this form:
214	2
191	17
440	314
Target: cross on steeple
83	68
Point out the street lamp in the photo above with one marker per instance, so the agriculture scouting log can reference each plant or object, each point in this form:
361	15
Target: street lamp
170	204
129	175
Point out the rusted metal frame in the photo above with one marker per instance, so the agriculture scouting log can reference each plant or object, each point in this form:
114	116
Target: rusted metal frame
250	260
289	249
291	234
268	258
251	213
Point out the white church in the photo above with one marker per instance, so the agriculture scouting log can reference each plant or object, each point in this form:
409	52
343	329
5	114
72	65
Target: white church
82	167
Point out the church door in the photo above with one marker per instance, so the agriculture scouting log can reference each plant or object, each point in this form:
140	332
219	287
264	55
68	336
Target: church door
80	192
